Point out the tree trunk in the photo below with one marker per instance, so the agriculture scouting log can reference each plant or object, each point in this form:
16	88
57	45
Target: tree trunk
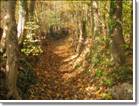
25	14
80	40
2	23
1	32
116	32
105	24
92	19
95	18
31	8
22	19
131	35
11	51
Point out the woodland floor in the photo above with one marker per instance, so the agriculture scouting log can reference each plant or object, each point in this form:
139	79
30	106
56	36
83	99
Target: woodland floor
57	80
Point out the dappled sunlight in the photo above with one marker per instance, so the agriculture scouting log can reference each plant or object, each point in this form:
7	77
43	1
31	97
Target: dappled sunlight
66	50
55	70
67	76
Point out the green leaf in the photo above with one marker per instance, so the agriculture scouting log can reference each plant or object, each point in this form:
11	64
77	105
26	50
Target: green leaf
99	73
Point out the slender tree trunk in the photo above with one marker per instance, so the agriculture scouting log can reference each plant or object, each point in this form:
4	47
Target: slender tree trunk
22	19
25	14
2	23
105	25
96	18
131	35
31	8
11	51
80	40
118	51
92	20
1	32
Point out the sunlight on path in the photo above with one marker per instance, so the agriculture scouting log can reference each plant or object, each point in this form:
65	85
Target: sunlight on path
56	77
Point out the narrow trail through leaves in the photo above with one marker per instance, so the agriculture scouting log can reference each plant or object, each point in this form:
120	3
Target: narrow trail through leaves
57	80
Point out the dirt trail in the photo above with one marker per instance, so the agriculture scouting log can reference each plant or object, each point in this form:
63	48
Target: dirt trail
57	79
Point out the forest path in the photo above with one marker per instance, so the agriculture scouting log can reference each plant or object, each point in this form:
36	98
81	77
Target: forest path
57	80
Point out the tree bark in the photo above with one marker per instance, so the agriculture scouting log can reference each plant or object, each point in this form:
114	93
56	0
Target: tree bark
1	32
31	8
2	23
131	35
95	18
118	51
22	19
11	51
